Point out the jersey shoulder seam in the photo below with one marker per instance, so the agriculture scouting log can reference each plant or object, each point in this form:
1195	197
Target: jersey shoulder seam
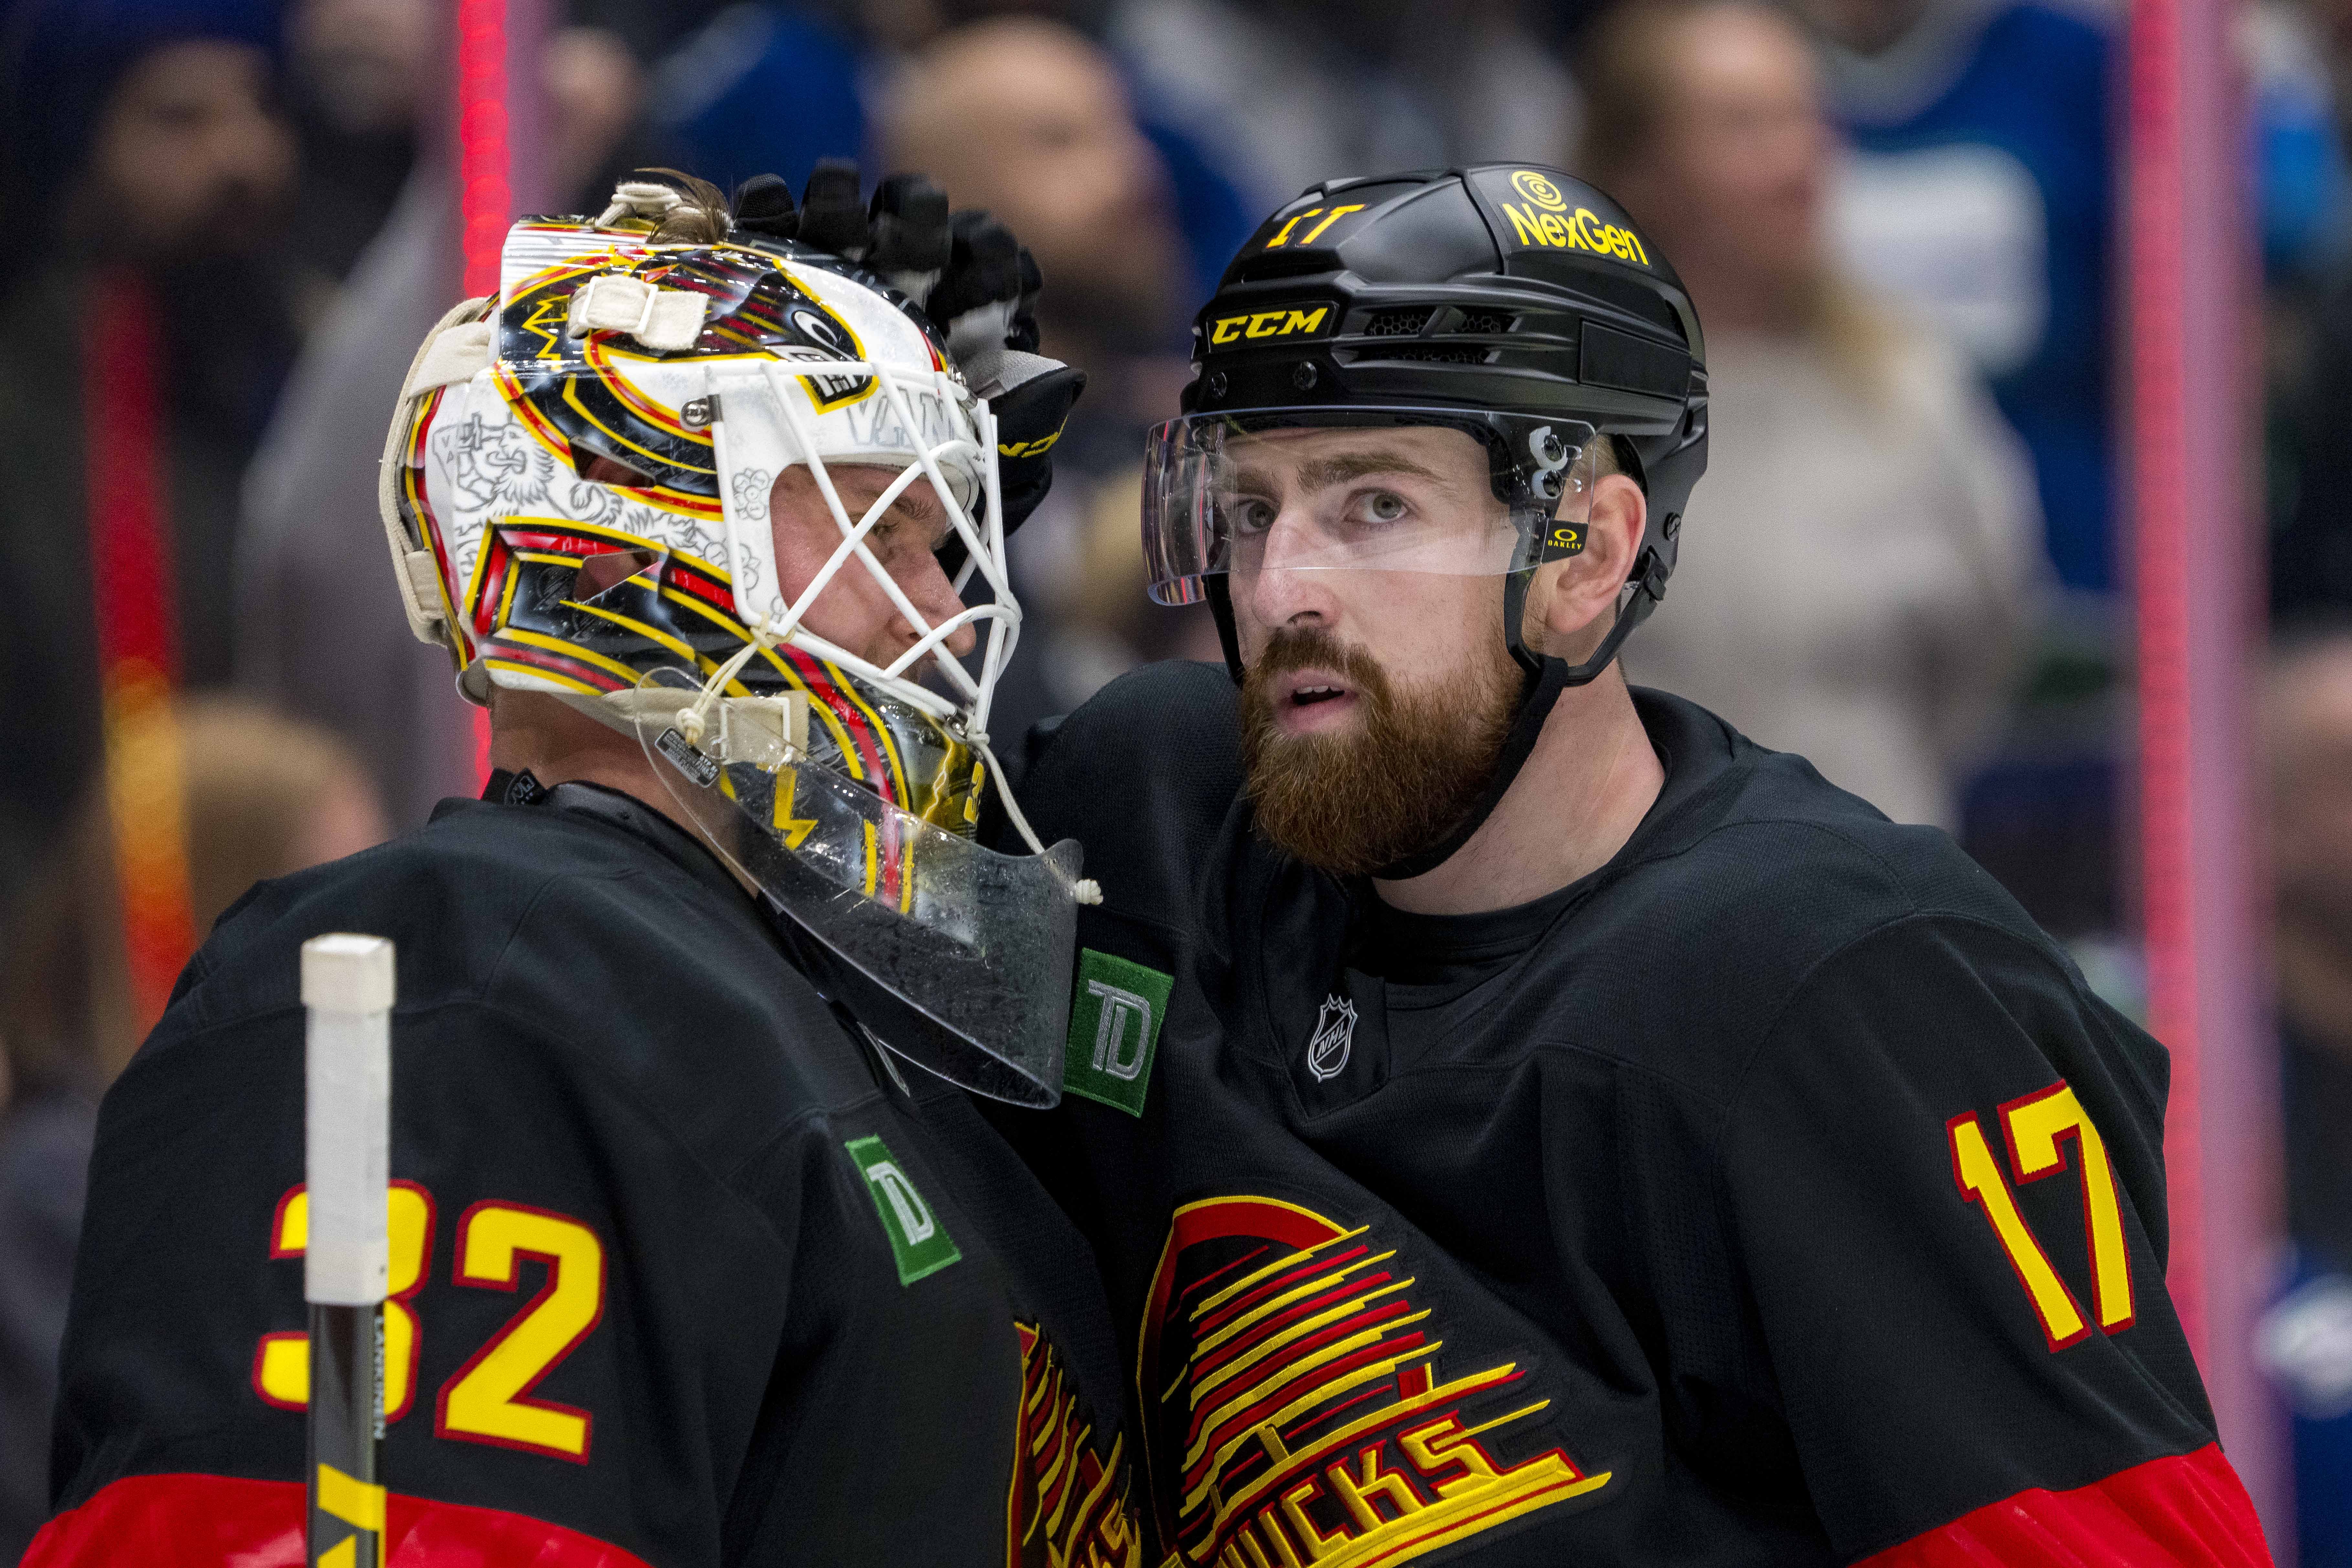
790	1123
538	1031
1896	880
1813	972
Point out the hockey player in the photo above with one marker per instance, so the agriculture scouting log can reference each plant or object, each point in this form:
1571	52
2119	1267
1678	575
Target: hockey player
1523	1121
686	1268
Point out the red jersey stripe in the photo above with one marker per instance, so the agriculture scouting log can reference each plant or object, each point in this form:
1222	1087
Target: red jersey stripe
2186	1511
215	1521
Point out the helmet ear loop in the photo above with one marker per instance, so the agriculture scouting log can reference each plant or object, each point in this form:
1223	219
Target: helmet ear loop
1515	620
1647	587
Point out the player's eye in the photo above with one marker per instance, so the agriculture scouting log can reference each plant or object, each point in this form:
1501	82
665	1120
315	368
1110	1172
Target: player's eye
1245	515
1379	508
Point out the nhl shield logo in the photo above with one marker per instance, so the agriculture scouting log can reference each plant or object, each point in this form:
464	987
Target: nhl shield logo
1335	1032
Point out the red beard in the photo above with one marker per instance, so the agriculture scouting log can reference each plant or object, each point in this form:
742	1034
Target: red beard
1354	802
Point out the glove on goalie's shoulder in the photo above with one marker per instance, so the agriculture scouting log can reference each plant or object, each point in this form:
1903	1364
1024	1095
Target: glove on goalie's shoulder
984	303
967	273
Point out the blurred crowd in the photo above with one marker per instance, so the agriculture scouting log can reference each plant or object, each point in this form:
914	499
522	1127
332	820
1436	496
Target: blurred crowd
1897	218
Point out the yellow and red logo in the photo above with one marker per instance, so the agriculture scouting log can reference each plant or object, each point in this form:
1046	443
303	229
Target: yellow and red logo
1069	1504
1294	1410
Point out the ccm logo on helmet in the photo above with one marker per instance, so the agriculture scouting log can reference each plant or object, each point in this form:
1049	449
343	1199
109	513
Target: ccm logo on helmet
1543	219
1282	321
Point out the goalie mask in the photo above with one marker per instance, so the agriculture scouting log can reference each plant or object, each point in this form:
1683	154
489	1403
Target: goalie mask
585	489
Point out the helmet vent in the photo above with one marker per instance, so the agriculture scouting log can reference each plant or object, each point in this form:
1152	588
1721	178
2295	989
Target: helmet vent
1399	323
1441	356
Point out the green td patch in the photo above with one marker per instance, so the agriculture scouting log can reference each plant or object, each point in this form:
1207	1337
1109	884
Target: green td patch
917	1240
1115	1022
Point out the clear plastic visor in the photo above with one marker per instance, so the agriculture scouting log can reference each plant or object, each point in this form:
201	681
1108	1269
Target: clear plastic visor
953	956
1452	491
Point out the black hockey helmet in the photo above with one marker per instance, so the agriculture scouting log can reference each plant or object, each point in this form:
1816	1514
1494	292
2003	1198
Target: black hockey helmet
1510	300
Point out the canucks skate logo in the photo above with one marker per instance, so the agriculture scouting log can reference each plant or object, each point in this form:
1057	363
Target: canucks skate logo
1334	1033
1069	1497
1301	1405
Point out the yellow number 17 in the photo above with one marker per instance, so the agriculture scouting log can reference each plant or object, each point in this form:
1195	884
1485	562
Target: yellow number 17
2032	1127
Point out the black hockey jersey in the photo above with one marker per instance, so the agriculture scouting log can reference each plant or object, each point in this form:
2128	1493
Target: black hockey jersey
681	1274
1777	1193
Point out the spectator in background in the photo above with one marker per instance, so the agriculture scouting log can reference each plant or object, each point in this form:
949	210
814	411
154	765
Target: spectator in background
1980	191
771	87
315	624
361	85
2295	53
2306	59
1028	119
763	89
1869	625
1287	92
262	797
2306	1339
141	347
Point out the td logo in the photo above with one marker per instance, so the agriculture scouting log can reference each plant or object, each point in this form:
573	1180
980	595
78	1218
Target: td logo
1115	1018
919	1244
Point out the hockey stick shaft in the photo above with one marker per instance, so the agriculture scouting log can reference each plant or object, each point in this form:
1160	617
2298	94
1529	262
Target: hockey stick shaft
347	990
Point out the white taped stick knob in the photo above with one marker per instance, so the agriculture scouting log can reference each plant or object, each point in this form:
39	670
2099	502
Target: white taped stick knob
347	987
346	973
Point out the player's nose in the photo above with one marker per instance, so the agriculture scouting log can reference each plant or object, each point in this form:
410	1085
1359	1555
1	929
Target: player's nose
926	588
1283	588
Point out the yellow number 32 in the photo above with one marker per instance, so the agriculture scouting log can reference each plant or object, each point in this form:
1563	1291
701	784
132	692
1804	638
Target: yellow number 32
2032	1127
489	1399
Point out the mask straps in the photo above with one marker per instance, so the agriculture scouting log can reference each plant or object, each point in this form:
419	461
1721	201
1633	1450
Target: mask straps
693	718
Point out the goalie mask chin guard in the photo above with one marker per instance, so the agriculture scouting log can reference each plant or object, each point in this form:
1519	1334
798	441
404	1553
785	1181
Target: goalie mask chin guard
581	492
957	958
1499	301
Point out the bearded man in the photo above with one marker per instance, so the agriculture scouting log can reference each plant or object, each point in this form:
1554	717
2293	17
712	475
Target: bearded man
1527	1122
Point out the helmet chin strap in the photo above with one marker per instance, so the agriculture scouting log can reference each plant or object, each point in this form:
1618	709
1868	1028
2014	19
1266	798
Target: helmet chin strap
1546	677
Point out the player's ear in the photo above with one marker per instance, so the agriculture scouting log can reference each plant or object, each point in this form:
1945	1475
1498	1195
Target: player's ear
1571	602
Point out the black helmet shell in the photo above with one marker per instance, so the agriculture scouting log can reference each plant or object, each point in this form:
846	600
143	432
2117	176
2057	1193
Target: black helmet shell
1510	287
1504	288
